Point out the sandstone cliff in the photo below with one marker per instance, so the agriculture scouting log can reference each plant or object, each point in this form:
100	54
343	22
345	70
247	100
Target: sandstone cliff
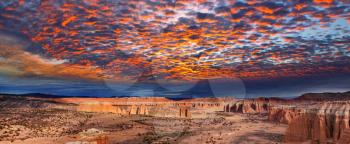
283	113
107	107
321	123
180	109
345	137
248	106
315	118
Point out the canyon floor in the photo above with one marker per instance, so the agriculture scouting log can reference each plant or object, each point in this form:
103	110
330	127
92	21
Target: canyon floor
42	126
42	122
311	118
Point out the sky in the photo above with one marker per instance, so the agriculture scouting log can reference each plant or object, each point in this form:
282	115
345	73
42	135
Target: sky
175	48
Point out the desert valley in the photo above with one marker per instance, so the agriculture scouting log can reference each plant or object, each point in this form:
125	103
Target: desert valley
310	118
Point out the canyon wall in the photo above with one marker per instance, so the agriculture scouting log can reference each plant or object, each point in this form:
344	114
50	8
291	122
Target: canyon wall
151	106
283	113
168	109
185	112
325	122
322	123
248	106
345	137
119	109
309	120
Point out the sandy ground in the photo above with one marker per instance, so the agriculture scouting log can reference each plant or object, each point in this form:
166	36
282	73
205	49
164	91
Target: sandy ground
40	126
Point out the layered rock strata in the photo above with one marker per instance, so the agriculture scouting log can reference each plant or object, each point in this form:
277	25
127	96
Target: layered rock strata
248	106
310	118
322	123
166	109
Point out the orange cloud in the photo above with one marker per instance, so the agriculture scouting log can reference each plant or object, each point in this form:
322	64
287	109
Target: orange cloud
185	40
323	1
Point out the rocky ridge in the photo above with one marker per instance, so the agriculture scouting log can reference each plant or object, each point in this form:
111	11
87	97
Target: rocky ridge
317	118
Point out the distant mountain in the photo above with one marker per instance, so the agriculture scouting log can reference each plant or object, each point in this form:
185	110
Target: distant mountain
306	96
324	96
41	95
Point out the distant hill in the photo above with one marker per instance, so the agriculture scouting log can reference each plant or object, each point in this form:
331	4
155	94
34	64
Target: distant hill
324	96
41	95
306	96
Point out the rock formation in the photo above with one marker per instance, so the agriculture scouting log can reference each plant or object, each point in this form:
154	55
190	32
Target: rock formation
310	117
317	118
184	112
181	109
248	106
319	123
345	137
139	110
283	113
118	109
88	107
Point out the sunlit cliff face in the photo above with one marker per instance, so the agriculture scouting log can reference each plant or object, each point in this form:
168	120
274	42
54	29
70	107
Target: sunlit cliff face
174	40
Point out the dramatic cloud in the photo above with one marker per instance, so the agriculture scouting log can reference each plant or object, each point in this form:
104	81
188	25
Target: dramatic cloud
15	61
177	39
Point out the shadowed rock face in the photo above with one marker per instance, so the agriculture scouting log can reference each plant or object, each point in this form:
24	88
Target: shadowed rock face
283	114
319	118
248	106
345	137
321	123
185	112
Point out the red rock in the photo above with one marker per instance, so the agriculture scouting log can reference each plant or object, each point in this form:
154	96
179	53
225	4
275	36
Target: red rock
283	114
345	137
248	106
327	123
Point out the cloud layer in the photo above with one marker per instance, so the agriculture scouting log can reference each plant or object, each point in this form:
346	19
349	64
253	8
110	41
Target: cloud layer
178	39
